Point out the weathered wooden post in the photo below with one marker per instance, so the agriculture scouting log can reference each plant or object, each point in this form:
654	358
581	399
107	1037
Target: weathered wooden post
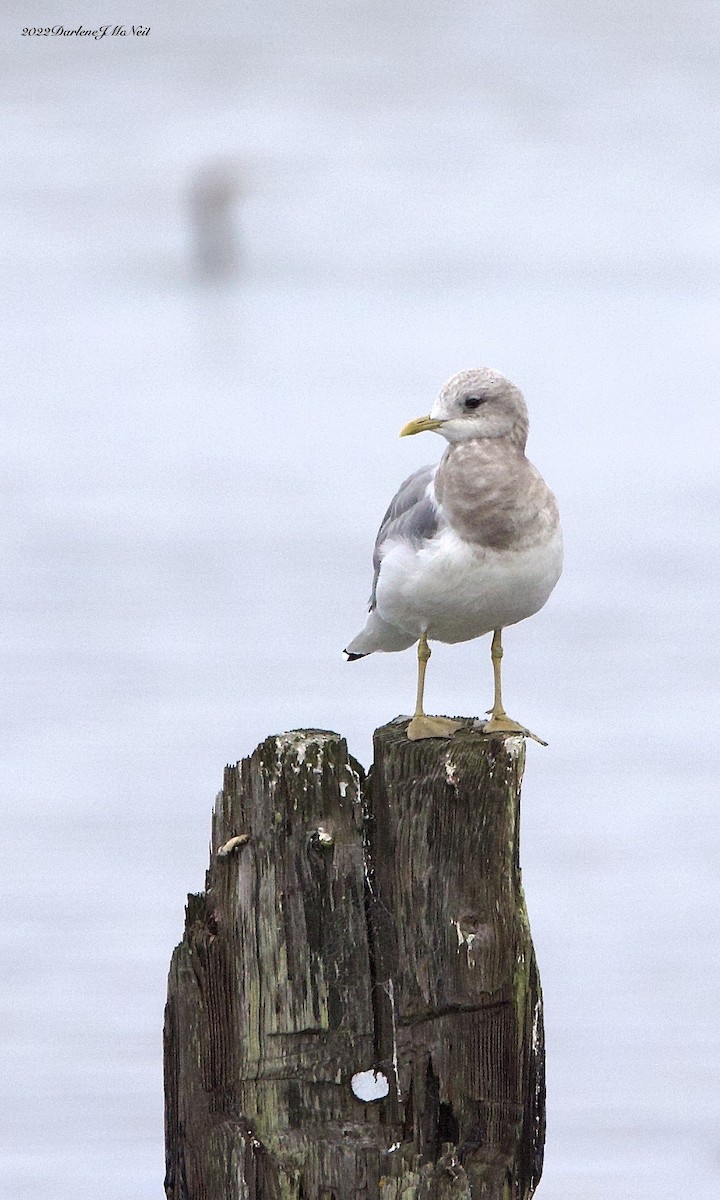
359	933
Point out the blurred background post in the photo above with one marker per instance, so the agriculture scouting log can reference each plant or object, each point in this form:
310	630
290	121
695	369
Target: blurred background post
214	200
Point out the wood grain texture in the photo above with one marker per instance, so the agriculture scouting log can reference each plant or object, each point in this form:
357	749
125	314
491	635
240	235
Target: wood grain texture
457	991
351	925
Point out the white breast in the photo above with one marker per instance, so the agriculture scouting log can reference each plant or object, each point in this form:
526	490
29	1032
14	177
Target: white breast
454	591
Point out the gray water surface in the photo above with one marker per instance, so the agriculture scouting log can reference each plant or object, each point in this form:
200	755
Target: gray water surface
193	475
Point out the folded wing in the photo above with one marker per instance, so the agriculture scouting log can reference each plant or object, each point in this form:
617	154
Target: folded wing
412	516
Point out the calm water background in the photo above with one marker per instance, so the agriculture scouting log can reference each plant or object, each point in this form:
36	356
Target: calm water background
192	476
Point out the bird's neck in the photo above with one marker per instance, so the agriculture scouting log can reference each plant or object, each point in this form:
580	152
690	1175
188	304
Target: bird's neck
489	491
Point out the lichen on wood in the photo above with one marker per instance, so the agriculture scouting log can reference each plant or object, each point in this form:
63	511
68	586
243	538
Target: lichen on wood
352	926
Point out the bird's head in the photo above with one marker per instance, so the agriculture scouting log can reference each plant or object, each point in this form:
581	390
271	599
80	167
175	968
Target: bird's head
476	404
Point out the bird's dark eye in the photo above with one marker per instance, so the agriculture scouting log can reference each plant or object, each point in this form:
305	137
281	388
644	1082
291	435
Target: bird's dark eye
474	402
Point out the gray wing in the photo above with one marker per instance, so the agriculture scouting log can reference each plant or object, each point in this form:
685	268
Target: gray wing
412	517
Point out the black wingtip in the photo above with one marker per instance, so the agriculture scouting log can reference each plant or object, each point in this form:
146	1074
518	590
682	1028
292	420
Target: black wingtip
353	657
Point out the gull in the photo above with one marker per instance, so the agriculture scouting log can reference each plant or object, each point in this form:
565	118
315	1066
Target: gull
468	545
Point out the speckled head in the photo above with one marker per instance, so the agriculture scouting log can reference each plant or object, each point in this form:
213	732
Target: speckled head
480	403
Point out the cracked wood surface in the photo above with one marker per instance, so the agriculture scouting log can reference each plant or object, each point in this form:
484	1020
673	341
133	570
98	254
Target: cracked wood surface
351	925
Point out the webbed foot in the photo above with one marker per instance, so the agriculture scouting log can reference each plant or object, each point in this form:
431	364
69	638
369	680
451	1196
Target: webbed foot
422	726
503	724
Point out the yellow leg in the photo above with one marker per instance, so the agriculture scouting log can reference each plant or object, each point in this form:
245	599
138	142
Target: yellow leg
499	721
421	725
424	653
496	654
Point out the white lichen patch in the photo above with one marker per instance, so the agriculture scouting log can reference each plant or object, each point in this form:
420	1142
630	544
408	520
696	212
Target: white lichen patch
370	1085
465	937
514	745
390	989
368	880
300	741
450	771
536	1026
351	782
473	934
292	748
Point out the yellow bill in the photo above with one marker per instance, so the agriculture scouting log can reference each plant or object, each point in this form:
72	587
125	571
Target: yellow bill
420	425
